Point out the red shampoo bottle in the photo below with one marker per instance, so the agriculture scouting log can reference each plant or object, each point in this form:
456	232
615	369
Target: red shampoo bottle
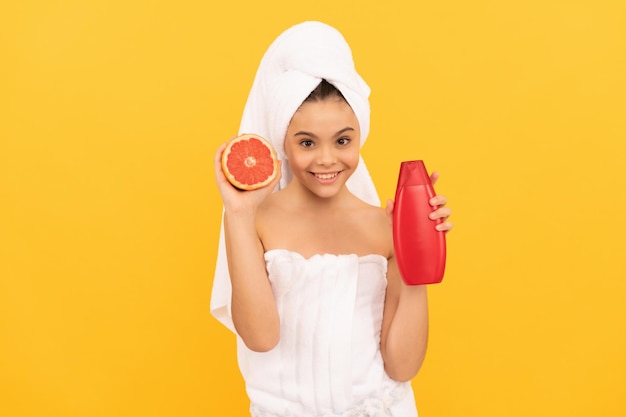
420	249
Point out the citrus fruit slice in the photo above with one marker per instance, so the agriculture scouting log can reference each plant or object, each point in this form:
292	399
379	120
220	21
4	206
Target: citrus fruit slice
249	162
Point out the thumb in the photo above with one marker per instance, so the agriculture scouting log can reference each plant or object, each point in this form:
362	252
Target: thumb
434	177
389	208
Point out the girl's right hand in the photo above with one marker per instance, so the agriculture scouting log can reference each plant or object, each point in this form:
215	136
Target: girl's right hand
236	200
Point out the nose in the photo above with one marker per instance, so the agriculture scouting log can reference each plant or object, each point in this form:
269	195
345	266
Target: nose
326	155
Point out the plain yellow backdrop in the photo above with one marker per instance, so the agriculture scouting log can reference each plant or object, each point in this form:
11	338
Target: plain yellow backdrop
110	113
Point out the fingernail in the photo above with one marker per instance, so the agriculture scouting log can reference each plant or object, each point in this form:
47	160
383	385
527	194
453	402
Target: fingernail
432	215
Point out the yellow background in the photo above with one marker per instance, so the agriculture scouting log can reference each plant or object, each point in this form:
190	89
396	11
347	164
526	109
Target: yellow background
110	112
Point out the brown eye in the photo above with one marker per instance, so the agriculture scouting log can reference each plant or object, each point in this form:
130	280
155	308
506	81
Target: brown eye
343	141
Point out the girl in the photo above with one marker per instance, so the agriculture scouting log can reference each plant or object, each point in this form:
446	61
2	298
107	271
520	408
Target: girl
306	276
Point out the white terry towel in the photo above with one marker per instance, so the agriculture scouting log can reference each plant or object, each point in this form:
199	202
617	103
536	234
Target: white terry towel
294	64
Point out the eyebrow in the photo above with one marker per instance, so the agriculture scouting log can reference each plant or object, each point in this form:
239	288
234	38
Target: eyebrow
305	133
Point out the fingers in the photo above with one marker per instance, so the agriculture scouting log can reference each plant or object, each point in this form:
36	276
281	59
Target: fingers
444	227
217	162
218	155
438	201
225	187
389	207
389	211
434	177
440	213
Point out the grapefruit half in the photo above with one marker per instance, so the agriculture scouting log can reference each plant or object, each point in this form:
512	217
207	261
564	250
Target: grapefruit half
249	162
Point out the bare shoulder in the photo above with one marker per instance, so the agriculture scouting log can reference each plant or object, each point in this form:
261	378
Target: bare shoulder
271	216
270	208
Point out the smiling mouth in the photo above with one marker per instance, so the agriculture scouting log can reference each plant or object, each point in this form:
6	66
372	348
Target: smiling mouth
326	176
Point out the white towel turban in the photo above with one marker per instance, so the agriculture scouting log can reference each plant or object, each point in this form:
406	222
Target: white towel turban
293	66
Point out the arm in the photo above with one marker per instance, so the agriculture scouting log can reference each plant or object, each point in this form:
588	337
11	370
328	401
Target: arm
405	326
253	306
404	333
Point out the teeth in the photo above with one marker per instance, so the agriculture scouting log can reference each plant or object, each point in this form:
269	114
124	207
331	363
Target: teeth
326	176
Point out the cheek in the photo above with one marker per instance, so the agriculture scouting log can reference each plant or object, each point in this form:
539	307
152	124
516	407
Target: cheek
352	157
296	158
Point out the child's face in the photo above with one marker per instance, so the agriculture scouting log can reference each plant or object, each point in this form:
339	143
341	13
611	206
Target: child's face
322	145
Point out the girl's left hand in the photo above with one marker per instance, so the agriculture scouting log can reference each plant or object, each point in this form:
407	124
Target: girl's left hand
441	212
